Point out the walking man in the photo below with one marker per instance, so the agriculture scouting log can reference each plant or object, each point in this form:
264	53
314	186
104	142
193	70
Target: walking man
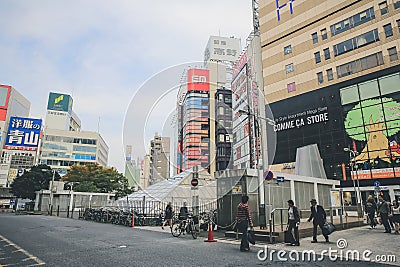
318	215
293	221
168	215
383	212
243	221
370	209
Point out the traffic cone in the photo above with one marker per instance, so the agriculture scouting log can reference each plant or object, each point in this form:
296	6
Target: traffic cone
133	220
210	234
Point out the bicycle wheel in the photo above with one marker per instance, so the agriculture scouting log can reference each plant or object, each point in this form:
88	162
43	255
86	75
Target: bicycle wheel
176	229
193	229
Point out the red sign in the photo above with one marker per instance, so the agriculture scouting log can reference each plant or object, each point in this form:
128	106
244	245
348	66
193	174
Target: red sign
198	80
195	182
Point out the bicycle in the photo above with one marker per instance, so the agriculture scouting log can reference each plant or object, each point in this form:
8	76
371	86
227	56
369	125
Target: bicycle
190	226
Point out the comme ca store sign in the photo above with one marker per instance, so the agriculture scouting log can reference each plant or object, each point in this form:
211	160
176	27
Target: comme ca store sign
301	119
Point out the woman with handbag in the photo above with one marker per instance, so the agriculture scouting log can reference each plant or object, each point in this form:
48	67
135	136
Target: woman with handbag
243	219
293	222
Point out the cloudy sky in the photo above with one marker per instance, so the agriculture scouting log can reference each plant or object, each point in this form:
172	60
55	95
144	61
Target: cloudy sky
102	51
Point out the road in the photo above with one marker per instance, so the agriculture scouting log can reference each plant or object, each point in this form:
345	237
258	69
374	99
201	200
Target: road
53	241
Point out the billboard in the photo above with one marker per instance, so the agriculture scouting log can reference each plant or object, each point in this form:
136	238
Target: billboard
198	80
59	102
223	49
23	133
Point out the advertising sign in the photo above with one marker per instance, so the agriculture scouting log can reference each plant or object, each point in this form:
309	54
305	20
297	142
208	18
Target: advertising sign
59	102
223	49
23	133
198	80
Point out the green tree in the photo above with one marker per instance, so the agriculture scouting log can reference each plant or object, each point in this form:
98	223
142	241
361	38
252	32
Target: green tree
372	114
35	179
95	178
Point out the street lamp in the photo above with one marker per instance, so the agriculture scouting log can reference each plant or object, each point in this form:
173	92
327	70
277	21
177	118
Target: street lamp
50	211
353	155
257	163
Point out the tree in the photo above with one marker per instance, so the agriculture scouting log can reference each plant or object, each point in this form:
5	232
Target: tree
373	115
95	178
35	179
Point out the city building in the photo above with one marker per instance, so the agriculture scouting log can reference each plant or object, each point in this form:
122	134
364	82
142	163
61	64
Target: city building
332	76
220	55
159	159
145	172
63	143
223	129
13	104
132	169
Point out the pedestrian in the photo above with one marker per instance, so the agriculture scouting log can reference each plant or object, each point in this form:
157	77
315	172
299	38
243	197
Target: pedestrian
168	215
383	212
370	209
183	212
390	216
318	215
396	216
243	219
293	221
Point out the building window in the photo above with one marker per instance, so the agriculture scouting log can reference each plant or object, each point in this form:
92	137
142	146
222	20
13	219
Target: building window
327	53
388	30
289	68
287	50
317	57
398	24
356	42
352	21
320	77
314	38
216	41
393	54
291	87
383	7
324	34
361	64
396	4
329	73
223	43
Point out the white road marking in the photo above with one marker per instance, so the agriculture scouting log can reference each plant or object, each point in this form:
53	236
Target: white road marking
36	259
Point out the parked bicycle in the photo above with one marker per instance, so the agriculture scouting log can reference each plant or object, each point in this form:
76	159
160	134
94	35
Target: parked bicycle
189	226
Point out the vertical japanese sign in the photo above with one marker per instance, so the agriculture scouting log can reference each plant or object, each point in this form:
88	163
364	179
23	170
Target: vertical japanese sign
23	133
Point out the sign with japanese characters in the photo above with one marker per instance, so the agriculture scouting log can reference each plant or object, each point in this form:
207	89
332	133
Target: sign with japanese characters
60	102
23	133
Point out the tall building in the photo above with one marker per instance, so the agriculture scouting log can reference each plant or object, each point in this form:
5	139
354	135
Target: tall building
159	159
63	143
223	132
132	169
194	120
145	172
332	78
220	55
17	152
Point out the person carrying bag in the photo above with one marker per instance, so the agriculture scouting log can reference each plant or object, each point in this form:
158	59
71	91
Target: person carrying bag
293	223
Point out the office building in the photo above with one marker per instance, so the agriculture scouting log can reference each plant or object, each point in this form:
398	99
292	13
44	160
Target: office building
332	76
159	158
63	143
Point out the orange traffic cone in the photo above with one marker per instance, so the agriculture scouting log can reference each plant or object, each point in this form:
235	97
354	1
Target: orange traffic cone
210	234
133	220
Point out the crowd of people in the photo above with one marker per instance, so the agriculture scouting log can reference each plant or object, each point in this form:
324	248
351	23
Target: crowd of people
387	212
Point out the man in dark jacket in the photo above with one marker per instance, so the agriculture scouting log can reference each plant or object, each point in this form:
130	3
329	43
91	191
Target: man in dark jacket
370	209
318	216
383	212
293	221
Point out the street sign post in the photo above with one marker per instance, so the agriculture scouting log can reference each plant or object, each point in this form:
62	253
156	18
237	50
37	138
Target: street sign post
194	182
268	175
280	179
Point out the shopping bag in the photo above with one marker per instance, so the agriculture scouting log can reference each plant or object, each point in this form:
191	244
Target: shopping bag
288	238
328	228
251	237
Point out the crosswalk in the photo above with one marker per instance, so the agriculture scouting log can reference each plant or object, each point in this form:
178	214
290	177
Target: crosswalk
13	255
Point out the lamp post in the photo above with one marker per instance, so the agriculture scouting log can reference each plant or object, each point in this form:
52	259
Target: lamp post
353	155
50	211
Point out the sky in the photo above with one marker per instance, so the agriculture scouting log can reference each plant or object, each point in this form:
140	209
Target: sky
104	52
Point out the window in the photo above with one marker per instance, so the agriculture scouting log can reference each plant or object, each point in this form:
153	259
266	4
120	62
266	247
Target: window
361	64
287	50
320	77
393	54
317	57
327	53
356	42
314	38
352	21
396	4
223	43
289	68
398	24
216	41
329	73
324	34
383	7
388	30
291	87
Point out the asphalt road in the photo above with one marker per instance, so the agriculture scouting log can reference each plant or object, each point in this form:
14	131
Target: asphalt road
53	241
